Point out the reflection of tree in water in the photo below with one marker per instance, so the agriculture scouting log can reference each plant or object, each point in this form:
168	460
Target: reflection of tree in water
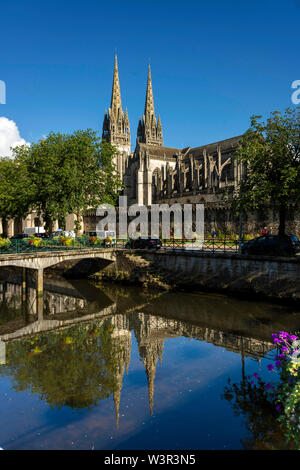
257	404
75	367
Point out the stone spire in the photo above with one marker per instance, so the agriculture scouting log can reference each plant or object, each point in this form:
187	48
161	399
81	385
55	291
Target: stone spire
117	399
116	104
148	131
149	103
151	371
116	128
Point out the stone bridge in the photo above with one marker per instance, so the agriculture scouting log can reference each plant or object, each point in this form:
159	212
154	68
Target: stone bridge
42	260
39	261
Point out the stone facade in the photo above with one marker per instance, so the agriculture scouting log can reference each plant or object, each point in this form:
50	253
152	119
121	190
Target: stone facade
116	129
155	174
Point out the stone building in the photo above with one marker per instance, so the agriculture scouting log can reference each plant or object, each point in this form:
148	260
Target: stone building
116	129
155	174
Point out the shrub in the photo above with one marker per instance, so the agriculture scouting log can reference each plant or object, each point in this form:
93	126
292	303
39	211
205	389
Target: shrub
4	242
36	242
95	241
66	241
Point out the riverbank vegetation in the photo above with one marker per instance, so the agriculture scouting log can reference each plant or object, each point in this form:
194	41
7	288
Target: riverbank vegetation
269	155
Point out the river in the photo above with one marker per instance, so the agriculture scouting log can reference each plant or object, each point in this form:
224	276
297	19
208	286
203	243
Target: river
117	367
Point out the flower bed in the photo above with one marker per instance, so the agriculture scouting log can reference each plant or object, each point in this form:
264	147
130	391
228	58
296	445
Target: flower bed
273	404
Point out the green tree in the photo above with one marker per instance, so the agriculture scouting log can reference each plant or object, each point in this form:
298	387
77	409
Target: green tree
16	190
69	174
270	156
89	173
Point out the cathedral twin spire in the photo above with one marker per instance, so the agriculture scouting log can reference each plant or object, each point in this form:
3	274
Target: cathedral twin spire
116	127
150	132
116	94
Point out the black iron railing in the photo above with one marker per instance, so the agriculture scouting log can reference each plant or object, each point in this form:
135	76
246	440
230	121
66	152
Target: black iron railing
208	245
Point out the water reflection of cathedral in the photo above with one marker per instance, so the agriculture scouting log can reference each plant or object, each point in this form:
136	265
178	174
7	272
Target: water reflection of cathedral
150	332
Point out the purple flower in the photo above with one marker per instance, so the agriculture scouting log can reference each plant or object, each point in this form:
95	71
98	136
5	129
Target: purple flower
276	340
278	364
293	337
268	386
283	334
284	349
278	407
255	375
270	367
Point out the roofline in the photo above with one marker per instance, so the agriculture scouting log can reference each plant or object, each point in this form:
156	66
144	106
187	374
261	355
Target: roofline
219	142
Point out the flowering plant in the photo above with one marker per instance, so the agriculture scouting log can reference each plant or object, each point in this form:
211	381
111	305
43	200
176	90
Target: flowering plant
94	240
35	241
272	407
66	241
4	242
287	364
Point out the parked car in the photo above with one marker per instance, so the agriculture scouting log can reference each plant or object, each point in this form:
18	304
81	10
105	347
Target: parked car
295	240
20	236
32	231
63	233
42	235
144	243
272	245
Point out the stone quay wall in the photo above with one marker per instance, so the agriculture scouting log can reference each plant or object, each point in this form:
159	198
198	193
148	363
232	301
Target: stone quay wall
268	277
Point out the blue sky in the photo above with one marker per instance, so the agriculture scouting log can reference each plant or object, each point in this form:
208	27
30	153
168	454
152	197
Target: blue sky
213	65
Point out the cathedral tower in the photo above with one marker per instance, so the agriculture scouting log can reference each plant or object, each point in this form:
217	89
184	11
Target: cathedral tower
150	132
116	129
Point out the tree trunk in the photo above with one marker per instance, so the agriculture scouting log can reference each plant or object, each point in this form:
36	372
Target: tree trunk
282	219
78	224
4	226
48	223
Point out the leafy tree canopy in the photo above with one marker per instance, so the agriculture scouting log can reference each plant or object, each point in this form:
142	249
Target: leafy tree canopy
16	190
61	174
270	157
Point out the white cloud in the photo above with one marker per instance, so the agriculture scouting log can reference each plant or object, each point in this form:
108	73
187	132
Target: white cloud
9	137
